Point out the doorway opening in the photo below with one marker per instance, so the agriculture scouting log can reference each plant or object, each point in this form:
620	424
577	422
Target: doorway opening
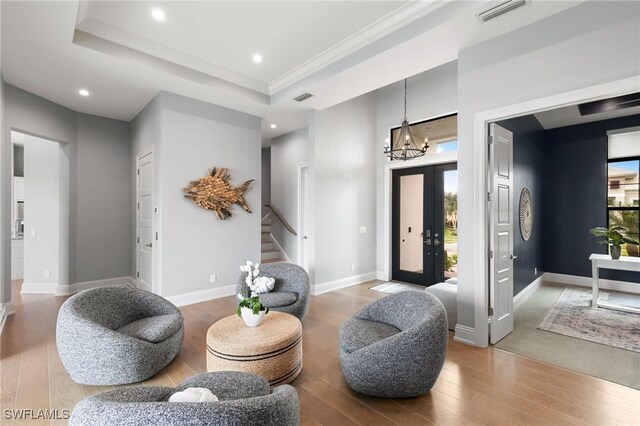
39	215
570	172
146	237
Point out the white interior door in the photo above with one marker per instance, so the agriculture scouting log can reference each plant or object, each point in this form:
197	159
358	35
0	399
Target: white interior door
145	237
304	233
500	233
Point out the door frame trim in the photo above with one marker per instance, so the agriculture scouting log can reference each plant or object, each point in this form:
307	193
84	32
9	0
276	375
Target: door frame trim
430	160
477	245
155	285
300	206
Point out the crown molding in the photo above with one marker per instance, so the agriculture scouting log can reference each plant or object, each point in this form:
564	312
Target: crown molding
384	26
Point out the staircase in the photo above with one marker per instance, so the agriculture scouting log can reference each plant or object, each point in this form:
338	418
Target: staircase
271	253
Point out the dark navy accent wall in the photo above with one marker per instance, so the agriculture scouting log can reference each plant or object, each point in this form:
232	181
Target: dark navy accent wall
528	165
575	186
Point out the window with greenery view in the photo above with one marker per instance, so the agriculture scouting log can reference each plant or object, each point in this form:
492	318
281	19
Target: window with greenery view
623	185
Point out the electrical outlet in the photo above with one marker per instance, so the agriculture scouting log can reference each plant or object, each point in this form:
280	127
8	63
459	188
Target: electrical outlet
212	278
363	229
535	271
47	274
353	267
34	232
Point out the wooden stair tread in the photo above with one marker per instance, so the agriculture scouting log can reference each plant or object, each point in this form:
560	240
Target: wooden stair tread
273	260
270	250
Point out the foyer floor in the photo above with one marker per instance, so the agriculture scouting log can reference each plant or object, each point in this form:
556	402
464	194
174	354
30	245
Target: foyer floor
477	386
606	362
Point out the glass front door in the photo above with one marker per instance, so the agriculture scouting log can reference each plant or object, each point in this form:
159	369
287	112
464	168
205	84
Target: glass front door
424	224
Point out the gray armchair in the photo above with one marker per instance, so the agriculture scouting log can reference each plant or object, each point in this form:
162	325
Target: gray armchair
291	291
244	399
117	335
395	347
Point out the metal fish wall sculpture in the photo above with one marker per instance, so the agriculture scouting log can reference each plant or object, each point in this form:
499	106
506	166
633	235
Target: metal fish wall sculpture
213	192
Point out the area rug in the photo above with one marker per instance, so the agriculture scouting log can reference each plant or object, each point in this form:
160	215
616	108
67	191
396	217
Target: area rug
572	315
391	287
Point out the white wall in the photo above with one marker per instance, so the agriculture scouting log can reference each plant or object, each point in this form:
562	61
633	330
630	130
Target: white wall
287	153
193	137
430	94
41	211
590	44
345	189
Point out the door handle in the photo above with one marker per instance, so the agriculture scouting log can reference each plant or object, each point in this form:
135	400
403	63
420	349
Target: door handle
305	237
436	242
149	245
513	257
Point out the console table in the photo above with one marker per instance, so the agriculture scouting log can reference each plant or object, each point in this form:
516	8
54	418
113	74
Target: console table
604	261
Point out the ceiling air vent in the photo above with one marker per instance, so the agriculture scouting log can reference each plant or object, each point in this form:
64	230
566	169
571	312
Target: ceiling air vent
302	97
500	8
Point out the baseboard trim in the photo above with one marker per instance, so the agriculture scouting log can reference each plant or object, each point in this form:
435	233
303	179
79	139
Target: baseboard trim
202	295
627	287
343	283
67	290
139	284
466	335
519	298
5	310
382	276
38	288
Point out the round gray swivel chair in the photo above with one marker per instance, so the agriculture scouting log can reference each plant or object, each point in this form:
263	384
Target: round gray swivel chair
395	347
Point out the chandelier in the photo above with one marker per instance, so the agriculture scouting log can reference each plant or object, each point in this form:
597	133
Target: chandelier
405	147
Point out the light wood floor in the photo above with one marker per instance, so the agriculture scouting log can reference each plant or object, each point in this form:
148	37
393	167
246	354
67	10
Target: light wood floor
476	386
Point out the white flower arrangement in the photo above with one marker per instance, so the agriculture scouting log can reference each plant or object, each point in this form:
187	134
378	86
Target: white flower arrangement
255	283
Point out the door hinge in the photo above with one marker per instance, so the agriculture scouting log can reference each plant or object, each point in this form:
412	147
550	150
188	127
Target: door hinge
138	274
138	172
138	240
138	206
490	139
490	254
490	314
156	236
489	196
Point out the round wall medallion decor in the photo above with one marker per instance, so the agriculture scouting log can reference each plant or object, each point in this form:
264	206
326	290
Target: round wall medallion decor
526	214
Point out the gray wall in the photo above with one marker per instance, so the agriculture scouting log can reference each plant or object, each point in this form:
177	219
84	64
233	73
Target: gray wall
103	197
287	153
590	44
193	137
346	152
41	211
18	161
429	94
529	161
34	115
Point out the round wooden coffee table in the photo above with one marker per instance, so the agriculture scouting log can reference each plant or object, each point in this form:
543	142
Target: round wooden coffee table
273	349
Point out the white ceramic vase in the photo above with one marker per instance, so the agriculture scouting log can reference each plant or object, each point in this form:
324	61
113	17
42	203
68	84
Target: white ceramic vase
250	319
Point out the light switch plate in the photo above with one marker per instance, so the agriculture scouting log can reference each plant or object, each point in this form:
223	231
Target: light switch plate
34	232
363	229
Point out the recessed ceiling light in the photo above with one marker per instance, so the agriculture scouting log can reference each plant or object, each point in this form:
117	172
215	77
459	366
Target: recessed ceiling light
158	15
257	58
273	126
83	92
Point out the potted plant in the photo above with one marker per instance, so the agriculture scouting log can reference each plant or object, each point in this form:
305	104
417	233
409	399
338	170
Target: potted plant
615	237
250	309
